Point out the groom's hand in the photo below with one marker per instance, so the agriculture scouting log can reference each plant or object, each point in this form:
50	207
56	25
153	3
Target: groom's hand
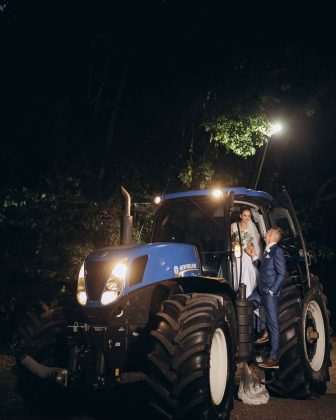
250	251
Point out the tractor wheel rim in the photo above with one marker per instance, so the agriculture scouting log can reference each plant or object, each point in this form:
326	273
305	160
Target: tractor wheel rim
218	366
314	349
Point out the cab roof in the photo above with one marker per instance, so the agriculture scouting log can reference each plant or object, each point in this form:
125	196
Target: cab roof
239	192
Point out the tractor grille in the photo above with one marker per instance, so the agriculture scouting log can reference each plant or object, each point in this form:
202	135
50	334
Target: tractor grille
97	273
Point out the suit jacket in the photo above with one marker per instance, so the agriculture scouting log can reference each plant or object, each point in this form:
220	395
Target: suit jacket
273	272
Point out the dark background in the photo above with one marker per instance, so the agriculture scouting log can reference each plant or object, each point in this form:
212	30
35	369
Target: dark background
98	94
58	91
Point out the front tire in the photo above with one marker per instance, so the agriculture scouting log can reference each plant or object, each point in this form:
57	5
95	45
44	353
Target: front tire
191	366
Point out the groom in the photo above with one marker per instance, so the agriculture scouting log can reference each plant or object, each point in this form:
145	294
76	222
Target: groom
272	269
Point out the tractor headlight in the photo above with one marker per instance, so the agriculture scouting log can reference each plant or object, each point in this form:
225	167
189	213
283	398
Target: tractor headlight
81	291
115	283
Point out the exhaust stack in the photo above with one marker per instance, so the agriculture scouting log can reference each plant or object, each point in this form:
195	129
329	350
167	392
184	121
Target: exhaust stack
126	238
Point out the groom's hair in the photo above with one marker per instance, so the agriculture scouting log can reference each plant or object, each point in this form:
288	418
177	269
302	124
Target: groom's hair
278	231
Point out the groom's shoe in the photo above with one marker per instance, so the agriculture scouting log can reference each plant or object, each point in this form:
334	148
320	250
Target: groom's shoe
263	339
269	364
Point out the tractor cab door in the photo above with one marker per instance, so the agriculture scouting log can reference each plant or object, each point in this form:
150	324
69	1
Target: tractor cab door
226	266
283	215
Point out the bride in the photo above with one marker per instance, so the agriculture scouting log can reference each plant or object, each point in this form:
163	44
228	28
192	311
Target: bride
247	234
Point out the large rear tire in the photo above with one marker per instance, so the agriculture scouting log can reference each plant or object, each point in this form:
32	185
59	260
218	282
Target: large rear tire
305	342
191	366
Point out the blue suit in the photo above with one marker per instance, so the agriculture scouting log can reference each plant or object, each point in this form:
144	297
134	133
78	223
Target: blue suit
273	273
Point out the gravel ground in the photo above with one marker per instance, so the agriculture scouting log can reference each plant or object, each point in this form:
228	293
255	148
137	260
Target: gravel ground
323	407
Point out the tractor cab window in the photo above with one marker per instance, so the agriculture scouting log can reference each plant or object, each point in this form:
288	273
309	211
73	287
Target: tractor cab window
284	216
281	217
194	221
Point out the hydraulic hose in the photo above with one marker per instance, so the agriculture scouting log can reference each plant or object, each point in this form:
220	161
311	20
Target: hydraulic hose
54	374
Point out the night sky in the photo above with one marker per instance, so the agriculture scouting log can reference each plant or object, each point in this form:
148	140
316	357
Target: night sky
54	55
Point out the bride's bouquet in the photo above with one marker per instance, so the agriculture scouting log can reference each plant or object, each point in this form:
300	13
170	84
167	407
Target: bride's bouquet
245	238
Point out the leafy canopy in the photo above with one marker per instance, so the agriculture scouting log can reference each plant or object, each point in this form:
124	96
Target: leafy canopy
242	134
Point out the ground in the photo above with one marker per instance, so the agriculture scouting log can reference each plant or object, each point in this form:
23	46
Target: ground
323	407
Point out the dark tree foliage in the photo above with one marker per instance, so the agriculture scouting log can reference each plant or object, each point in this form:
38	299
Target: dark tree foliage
49	231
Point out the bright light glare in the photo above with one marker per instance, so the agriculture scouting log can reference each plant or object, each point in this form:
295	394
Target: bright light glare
237	251
81	284
217	193
157	200
81	292
276	128
119	271
108	297
81	272
82	298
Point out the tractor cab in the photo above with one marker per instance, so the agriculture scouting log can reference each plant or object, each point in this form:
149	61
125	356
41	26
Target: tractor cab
204	218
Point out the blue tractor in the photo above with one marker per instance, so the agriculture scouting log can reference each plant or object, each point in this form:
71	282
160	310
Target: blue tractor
173	313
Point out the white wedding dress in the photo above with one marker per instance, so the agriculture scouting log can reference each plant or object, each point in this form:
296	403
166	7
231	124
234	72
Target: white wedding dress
249	273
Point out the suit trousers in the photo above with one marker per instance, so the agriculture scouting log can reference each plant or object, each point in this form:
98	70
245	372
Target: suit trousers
271	306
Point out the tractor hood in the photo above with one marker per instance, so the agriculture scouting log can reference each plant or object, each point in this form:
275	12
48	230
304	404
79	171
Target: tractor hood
114	272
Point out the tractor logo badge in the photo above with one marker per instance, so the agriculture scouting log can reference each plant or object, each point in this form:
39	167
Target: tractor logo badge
184	268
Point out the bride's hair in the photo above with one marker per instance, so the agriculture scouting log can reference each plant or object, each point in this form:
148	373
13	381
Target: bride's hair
244	208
